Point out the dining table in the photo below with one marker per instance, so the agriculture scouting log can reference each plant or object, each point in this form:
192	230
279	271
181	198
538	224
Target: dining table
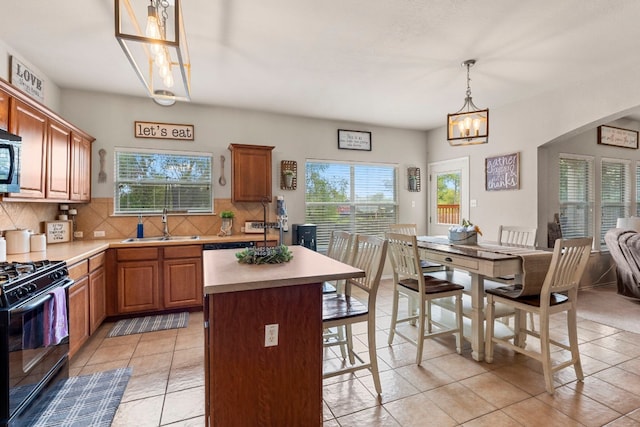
486	260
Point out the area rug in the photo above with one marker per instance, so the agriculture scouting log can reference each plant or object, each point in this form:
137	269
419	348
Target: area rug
139	325
89	400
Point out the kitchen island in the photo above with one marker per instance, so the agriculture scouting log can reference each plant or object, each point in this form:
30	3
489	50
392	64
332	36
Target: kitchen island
246	381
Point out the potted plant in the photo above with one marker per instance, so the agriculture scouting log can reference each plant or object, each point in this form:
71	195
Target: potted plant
288	177
227	223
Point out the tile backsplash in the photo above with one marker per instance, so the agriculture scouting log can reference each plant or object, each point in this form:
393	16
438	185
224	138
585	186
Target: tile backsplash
31	216
98	216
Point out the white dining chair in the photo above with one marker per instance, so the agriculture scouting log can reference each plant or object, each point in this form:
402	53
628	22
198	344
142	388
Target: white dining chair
345	309
559	293
516	235
408	278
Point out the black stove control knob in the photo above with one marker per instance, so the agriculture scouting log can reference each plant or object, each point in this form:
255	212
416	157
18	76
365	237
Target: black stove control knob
21	291
32	287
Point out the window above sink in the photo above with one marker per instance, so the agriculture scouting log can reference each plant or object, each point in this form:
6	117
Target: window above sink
147	181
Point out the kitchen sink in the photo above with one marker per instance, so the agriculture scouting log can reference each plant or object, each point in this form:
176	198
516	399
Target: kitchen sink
159	239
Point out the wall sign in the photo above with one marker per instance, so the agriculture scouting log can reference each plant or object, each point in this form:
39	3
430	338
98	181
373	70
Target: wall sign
503	172
609	135
58	231
354	140
26	80
163	131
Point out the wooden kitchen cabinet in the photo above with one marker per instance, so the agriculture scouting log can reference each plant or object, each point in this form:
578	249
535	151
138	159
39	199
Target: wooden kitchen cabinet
56	155
250	173
80	168
4	110
138	281
97	291
31	124
79	330
182	276
58	160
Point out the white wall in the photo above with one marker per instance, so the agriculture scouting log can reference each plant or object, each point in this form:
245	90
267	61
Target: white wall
110	119
523	127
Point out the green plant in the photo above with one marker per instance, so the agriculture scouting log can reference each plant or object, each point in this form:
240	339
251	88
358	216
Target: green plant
227	214
266	255
288	172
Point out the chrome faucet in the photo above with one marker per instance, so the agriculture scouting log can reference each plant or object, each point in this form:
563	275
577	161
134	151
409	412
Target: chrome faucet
165	224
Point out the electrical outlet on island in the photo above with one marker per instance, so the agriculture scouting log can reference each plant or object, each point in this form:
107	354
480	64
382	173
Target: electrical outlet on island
98	233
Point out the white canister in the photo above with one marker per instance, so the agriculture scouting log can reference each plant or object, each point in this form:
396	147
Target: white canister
38	242
17	241
3	249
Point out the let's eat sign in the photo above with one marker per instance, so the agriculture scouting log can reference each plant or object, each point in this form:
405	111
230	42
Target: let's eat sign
163	131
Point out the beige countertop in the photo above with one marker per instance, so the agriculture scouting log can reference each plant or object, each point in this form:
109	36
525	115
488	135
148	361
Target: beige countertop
73	252
223	273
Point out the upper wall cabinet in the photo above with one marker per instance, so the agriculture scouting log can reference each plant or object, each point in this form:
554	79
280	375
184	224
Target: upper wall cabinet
250	173
4	110
31	125
55	155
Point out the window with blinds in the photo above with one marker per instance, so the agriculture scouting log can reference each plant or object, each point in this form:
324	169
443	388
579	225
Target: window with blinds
147	181
615	193
576	195
355	197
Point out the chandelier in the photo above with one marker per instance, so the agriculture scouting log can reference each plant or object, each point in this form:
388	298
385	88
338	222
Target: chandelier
156	47
470	125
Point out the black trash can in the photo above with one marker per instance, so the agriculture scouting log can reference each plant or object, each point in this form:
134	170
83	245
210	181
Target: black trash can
304	235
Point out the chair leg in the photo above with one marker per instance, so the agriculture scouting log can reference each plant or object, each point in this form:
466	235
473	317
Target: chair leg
488	339
373	355
341	338
420	340
411	309
459	322
572	324
352	359
429	324
394	316
545	353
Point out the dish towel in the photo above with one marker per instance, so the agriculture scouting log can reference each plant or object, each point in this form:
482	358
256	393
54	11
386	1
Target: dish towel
55	317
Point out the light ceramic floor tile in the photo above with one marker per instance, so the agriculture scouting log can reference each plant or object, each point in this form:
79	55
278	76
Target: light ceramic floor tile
183	404
167	385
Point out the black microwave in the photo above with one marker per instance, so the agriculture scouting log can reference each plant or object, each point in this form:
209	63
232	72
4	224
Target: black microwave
9	162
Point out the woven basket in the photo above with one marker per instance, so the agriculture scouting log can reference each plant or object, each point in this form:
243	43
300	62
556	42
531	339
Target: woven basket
463	237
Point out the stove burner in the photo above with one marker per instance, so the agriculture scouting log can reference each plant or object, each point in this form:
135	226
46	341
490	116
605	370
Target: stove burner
21	280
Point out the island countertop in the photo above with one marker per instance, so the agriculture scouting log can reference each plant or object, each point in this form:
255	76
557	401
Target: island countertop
223	273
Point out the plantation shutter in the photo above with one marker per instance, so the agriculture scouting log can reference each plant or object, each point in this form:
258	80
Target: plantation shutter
576	195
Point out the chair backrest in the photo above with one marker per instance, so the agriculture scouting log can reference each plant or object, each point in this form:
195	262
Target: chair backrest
405	260
368	254
410	229
340	245
569	261
514	235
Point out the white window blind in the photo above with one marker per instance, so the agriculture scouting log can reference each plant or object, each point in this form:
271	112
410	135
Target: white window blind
615	193
355	197
147	181
576	195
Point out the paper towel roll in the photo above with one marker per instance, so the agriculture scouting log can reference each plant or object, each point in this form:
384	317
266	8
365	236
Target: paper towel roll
38	242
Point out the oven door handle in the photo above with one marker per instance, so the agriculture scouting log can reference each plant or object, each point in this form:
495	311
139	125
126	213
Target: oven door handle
41	300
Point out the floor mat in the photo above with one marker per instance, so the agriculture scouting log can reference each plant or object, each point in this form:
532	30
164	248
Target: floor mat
89	400
139	325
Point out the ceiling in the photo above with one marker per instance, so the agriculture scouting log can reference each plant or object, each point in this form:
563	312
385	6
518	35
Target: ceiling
386	62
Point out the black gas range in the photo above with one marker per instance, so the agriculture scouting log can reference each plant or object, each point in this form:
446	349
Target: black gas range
20	281
34	347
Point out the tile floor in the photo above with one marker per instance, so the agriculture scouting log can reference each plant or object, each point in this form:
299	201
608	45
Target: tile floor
167	386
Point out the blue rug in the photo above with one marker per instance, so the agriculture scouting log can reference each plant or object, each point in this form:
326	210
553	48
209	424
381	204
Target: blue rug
139	325
89	400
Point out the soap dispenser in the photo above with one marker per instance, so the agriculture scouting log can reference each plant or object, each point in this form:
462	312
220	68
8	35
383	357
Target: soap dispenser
140	227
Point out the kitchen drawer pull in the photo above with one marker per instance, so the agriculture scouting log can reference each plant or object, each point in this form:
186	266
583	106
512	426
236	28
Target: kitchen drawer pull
448	259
